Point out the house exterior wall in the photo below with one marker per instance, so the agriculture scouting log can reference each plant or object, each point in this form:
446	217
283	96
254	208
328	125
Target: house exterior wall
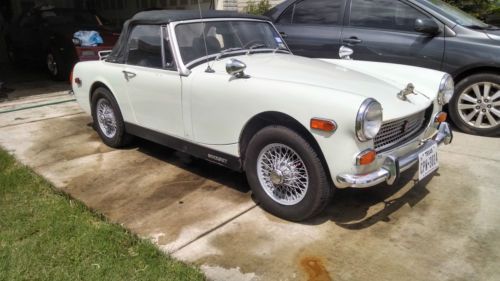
240	5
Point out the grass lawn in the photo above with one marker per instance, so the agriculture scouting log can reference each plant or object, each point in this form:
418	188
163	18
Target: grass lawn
44	235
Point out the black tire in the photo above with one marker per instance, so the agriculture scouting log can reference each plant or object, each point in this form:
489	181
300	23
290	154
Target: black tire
319	191
120	138
11	52
57	68
459	119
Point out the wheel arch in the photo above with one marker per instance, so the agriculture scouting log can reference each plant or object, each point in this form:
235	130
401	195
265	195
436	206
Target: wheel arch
269	118
475	70
95	85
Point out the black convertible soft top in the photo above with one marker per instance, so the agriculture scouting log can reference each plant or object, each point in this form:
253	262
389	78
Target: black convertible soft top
165	17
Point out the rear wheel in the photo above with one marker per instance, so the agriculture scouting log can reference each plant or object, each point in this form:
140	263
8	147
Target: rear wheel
11	53
286	174
108	120
475	107
56	67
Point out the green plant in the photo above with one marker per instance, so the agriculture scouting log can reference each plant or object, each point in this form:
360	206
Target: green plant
478	8
258	8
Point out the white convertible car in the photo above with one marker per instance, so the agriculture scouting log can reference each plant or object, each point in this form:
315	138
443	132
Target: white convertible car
226	88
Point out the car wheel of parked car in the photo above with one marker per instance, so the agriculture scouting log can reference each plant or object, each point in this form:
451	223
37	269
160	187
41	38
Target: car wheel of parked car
55	66
11	53
108	120
475	106
286	174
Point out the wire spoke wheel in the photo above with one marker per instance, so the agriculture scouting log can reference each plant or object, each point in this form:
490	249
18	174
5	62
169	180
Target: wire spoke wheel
106	118
479	105
282	174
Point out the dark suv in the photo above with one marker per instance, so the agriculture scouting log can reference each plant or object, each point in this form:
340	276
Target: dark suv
426	33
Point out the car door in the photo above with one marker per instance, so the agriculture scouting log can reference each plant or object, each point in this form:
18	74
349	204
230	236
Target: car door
384	31
153	83
312	28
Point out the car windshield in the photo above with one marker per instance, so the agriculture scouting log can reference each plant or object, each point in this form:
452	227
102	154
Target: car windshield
69	17
224	37
455	14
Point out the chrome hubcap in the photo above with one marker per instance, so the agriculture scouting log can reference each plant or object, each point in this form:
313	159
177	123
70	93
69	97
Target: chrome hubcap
479	105
282	174
51	64
106	118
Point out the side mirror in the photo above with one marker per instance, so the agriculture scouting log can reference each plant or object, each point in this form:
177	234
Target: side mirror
236	68
427	26
345	53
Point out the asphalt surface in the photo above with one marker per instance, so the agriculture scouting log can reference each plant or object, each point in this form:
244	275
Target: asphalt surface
444	228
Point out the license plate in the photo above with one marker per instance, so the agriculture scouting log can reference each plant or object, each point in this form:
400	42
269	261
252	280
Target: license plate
427	162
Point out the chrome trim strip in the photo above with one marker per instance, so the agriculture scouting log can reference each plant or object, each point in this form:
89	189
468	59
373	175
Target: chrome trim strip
183	71
392	167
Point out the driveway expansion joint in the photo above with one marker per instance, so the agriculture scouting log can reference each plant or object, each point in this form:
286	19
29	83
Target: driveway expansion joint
214	228
39	120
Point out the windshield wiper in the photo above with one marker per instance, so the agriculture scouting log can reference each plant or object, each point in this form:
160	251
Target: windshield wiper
481	27
228	50
477	27
281	49
255	46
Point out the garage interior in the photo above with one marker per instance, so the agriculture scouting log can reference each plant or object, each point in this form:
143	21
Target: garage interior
26	78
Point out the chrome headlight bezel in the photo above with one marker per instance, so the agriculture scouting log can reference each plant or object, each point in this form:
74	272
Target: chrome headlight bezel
446	89
369	119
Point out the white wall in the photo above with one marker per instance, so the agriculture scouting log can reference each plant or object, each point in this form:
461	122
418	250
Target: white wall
239	5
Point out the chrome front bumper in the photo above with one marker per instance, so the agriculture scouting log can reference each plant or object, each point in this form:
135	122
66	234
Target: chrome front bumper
392	167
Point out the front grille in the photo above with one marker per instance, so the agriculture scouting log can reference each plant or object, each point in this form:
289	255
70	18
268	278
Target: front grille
397	131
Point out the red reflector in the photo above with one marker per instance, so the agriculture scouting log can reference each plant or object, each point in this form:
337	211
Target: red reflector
366	157
323	125
78	81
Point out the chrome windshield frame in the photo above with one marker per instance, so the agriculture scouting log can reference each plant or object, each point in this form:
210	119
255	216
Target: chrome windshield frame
184	68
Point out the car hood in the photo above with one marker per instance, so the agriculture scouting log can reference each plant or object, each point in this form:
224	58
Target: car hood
381	81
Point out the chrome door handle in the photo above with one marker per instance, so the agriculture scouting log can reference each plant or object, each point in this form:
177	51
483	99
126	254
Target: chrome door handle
129	75
352	41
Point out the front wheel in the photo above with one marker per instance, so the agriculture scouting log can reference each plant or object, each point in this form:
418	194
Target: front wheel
475	107
286	174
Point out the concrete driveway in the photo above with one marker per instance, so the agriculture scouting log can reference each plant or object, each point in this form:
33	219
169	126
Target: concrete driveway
446	228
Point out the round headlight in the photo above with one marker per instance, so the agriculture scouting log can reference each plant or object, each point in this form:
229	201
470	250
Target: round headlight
368	120
446	89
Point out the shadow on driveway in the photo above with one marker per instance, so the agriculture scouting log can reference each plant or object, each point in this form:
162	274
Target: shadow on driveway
349	208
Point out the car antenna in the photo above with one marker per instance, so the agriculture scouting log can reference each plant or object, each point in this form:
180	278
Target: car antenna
209	69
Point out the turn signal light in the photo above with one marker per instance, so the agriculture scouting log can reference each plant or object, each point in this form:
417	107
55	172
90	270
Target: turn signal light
366	157
440	117
323	125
